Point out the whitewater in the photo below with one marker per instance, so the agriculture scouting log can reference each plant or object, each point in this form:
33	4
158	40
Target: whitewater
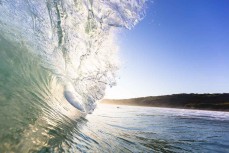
57	57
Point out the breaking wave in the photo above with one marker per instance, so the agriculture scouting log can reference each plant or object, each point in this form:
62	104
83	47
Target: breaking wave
56	54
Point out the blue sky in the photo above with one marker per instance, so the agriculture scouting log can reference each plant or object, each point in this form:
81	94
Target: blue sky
181	46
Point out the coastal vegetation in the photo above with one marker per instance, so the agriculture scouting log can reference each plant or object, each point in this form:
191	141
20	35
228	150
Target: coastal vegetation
218	102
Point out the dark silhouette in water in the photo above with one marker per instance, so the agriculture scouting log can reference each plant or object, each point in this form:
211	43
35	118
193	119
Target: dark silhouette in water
218	102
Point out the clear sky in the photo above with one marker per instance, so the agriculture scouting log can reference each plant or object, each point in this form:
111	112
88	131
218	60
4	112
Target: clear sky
181	46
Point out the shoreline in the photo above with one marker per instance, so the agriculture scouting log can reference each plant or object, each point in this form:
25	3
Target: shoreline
119	105
211	102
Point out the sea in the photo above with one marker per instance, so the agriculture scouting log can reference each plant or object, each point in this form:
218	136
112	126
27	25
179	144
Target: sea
131	129
57	57
151	129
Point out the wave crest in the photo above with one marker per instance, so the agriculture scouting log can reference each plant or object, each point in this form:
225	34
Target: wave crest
75	39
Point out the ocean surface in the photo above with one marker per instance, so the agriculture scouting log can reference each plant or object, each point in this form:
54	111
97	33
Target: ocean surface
148	129
57	57
113	128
